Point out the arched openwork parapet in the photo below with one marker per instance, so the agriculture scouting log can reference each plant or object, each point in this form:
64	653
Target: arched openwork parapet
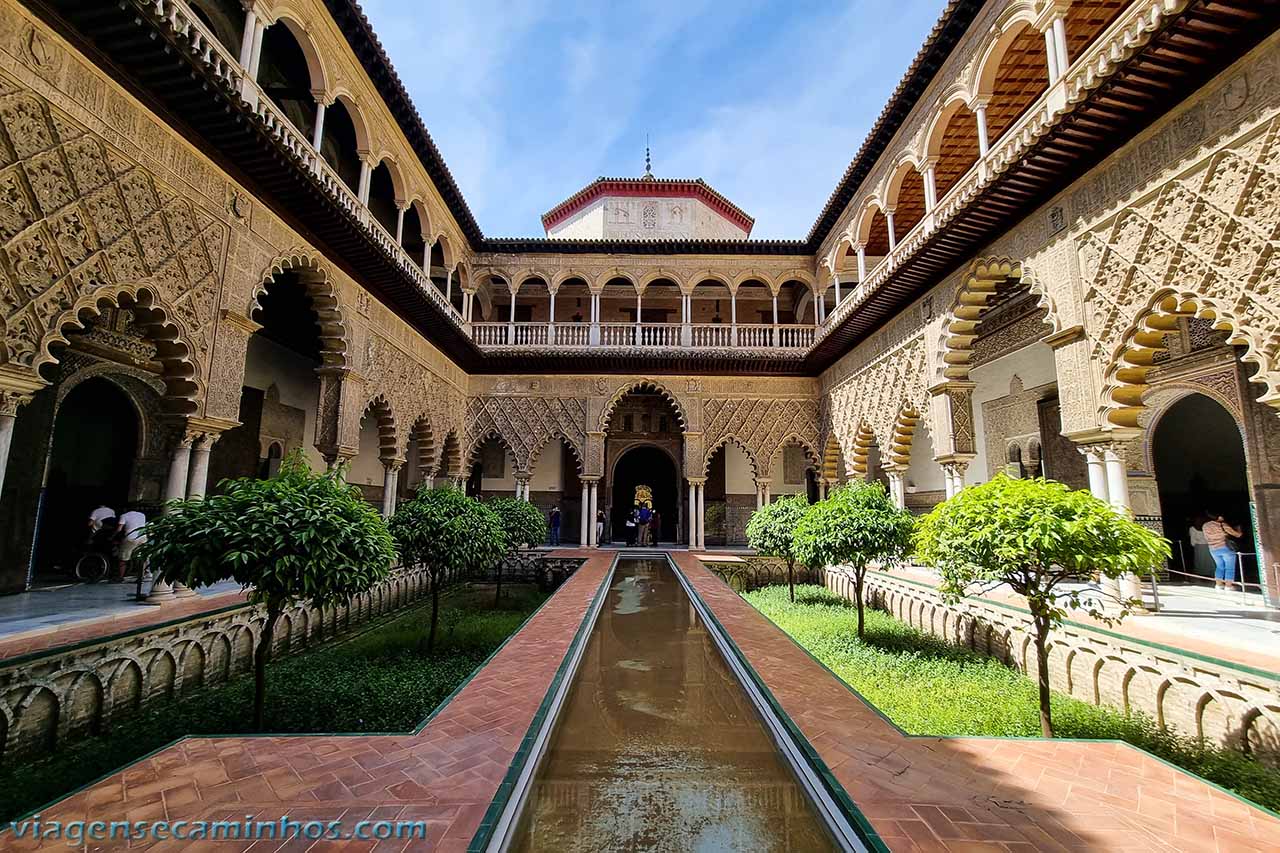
313	272
1129	363
159	324
558	437
643	385
903	434
793	439
379	408
984	278
723	441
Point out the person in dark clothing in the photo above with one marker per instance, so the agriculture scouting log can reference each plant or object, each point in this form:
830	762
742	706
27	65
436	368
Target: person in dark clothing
555	526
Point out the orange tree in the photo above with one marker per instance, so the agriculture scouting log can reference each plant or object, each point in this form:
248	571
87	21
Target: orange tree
1034	535
296	537
771	532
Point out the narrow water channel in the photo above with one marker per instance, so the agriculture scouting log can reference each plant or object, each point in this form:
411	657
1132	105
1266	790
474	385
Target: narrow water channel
658	746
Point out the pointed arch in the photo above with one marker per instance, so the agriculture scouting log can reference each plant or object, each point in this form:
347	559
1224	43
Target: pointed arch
983	279
643	385
726	439
313	272
473	452
793	438
557	435
1129	363
159	323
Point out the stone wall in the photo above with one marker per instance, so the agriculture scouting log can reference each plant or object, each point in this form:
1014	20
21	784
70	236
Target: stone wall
50	698
1192	695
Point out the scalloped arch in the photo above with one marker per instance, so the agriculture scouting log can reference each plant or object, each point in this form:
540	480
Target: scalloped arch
642	385
313	272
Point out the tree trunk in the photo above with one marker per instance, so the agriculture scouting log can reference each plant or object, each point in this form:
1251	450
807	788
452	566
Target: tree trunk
435	612
1042	675
857	596
261	655
497	594
791	580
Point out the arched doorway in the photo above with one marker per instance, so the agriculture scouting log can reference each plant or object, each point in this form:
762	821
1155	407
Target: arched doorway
95	443
1199	460
640	466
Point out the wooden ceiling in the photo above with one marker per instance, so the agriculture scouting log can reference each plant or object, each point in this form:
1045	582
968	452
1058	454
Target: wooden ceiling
958	152
1023	77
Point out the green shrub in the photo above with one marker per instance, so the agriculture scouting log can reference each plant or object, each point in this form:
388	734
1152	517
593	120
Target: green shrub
771	532
928	687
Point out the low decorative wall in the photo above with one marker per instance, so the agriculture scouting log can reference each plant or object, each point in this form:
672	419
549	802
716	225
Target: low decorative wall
748	573
52	697
1224	703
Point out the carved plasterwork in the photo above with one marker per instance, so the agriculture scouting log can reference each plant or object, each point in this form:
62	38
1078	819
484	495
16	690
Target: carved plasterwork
527	424
761	427
872	398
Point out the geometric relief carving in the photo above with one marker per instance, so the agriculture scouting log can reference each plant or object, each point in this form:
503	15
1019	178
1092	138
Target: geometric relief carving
761	427
77	216
873	397
527	424
1203	244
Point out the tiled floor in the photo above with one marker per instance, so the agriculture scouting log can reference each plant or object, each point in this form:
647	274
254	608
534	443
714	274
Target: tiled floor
447	774
970	794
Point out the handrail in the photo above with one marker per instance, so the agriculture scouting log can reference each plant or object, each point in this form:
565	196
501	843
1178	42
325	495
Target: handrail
542	334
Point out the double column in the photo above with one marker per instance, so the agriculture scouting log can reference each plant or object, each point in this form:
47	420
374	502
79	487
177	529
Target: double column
898	486
590	533
953	471
1109	482
697	513
390	485
188	479
763	497
522	488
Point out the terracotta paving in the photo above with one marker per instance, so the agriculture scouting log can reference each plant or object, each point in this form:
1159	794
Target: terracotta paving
447	774
104	627
1140	627
972	794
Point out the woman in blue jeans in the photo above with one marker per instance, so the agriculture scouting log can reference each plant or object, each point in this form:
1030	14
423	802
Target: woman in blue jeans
1216	532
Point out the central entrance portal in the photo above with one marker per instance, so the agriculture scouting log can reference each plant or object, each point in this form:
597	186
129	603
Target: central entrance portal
643	446
641	470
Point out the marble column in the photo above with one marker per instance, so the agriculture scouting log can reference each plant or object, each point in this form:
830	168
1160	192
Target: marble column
10	401
390	482
1118	491
583	534
759	495
692	533
896	491
592	534
198	479
702	516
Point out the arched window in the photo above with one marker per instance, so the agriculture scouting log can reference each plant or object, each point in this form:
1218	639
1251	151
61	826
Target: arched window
285	77
382	197
955	144
224	18
411	239
339	147
1020	78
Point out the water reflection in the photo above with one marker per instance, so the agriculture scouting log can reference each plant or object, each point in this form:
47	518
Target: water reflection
658	747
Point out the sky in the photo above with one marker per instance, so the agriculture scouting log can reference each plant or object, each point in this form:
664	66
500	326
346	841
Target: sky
530	100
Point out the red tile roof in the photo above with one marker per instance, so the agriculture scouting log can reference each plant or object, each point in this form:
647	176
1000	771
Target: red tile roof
649	186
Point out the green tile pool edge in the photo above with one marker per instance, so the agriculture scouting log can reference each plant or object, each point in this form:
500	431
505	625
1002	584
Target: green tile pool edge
847	686
837	791
484	832
284	735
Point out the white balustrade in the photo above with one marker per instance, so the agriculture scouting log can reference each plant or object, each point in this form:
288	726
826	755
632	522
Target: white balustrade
529	334
573	334
617	334
660	334
489	334
712	335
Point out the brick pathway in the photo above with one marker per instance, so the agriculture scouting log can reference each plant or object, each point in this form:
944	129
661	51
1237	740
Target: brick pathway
971	794
446	774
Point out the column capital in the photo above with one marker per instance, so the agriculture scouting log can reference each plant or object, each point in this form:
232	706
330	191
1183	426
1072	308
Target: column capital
760	481
1100	438
17	386
591	480
696	481
1051	12
391	464
234	318
950	385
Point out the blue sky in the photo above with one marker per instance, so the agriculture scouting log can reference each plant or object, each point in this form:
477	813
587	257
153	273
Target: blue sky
529	100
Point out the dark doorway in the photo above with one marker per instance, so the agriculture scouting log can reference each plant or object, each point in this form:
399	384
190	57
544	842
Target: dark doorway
1200	468
95	443
645	466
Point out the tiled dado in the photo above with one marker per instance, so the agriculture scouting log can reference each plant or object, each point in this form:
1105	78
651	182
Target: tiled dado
446	773
969	794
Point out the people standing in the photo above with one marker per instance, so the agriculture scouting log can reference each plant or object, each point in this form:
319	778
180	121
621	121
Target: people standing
599	528
1217	533
555	527
99	517
130	534
655	527
643	514
1201	559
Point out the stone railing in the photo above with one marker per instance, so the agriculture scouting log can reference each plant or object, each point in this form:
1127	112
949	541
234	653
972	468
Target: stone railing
796	338
745	574
1124	37
177	19
57	696
1226	704
535	567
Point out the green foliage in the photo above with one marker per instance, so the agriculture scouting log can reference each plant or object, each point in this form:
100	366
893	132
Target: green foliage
931	688
375	681
298	536
522	522
449	533
857	525
771	530
1032	534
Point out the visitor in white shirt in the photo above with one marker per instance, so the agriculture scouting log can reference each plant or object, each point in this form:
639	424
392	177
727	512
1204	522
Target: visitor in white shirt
99	516
132	533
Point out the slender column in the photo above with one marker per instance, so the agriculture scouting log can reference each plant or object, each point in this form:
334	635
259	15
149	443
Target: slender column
692	535
733	318
1051	52
702	516
822	489
255	51
639	298
587	518
6	440
318	138
390	480
179	467
197	482
1060	41
448	290
980	116
1117	478
511	317
862	264
893	237
366	175
10	401
399	226
594	332
551	320
592	533
836	279
247	37
768	493
759	495
1097	473
469	306
896	492
930	189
